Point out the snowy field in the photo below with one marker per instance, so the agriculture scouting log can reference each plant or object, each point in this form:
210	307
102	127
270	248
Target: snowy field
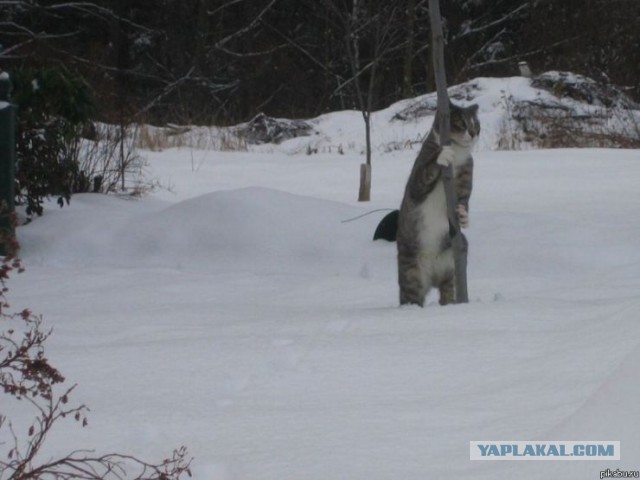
232	311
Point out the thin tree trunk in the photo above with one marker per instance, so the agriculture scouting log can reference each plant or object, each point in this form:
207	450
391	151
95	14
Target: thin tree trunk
121	84
367	135
459	249
364	193
407	68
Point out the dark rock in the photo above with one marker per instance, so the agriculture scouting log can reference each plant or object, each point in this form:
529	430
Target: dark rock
421	108
263	129
427	104
583	89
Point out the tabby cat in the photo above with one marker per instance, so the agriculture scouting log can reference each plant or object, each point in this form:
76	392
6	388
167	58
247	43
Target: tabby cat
425	256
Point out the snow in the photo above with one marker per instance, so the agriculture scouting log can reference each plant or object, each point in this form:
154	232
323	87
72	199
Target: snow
234	312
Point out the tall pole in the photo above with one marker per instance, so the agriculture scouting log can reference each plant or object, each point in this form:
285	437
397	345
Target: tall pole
458	243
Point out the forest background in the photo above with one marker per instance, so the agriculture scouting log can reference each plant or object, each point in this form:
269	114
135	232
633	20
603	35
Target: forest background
224	61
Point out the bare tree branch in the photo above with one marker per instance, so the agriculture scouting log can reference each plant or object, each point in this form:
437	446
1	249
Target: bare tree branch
250	54
96	10
481	51
470	31
513	58
220	43
188	77
214	12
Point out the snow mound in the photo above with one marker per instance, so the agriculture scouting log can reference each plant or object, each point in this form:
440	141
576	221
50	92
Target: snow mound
555	109
583	89
252	228
464	94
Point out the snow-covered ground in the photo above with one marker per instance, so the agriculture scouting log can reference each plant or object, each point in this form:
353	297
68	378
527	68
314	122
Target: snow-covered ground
234	312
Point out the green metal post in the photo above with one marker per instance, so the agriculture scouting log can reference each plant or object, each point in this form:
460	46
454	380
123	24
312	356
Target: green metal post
7	161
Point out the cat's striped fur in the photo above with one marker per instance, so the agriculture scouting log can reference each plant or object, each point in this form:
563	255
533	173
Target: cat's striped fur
425	257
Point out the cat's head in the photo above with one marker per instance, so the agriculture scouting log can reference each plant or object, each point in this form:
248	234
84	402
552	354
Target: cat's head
465	126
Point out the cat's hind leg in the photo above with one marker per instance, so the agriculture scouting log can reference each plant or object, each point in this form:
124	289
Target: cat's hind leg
447	284
413	281
447	290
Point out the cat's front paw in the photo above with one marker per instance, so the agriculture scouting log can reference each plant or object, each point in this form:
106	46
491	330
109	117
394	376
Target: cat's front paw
446	157
463	216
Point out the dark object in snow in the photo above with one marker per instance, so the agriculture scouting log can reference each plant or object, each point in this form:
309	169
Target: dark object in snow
417	109
426	105
388	227
89	131
583	89
264	129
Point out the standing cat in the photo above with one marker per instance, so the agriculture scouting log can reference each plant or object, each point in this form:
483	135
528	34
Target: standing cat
425	256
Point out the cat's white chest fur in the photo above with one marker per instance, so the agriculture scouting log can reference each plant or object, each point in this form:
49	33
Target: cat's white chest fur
459	154
434	219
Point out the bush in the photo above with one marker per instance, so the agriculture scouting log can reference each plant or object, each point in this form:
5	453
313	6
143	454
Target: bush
54	106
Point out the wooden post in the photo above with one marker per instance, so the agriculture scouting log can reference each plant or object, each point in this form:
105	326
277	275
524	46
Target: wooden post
364	194
458	244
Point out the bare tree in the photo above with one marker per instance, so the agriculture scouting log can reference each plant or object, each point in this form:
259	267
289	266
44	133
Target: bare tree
372	31
490	35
